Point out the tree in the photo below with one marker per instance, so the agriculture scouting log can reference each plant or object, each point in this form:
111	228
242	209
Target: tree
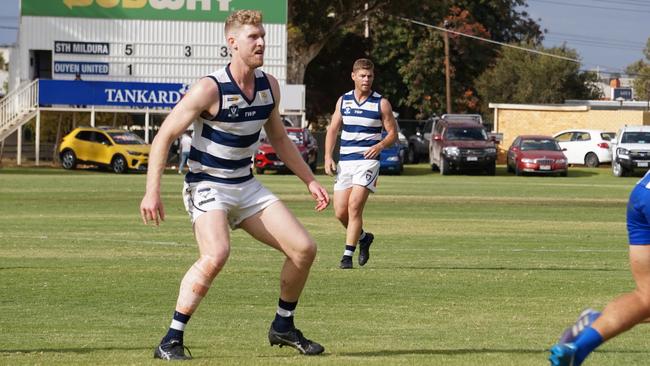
408	57
312	24
641	69
523	77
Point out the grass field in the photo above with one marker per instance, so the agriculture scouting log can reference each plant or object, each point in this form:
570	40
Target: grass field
465	270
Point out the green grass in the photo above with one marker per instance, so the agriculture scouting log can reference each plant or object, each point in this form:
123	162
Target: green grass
465	270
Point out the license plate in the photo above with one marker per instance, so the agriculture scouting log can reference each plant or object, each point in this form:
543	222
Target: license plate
278	163
544	167
472	158
642	164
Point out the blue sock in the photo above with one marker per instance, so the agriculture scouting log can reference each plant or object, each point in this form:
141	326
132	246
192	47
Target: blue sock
177	328
586	342
284	316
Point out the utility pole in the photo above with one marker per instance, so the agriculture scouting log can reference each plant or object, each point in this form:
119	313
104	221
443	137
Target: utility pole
447	71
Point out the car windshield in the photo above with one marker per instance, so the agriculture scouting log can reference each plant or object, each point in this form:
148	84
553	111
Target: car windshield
459	133
546	144
295	136
609	136
126	138
636	138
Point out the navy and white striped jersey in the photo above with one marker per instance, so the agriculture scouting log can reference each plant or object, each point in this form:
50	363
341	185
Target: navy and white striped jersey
223	145
361	125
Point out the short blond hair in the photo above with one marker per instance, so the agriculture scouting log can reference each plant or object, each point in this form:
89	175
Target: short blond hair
243	17
363	64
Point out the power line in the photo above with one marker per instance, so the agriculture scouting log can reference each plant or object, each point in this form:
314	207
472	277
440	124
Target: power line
504	44
600	39
582	6
489	40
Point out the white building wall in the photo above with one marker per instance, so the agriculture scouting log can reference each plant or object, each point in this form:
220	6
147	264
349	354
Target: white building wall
159	47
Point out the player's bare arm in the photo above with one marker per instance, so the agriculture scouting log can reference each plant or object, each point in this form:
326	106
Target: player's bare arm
203	96
287	150
330	139
390	125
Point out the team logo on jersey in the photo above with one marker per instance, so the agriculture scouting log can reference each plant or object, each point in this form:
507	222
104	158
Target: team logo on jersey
264	95
233	111
347	110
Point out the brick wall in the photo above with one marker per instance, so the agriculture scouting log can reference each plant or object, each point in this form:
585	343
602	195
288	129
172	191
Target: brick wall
515	122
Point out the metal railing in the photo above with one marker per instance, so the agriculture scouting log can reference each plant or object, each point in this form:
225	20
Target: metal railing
18	104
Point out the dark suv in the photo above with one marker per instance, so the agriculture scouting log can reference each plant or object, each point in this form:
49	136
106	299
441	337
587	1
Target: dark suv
460	142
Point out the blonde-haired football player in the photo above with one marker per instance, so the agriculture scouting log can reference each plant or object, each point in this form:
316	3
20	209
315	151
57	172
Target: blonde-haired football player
230	107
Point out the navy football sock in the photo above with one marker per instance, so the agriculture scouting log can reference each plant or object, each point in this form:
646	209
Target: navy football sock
284	316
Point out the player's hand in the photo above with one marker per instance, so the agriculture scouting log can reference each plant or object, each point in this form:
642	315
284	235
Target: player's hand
373	152
330	167
152	209
319	194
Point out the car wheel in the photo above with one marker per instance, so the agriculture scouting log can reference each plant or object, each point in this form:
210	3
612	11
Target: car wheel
68	160
413	157
591	160
618	170
564	174
313	165
518	171
118	164
445	169
259	170
491	170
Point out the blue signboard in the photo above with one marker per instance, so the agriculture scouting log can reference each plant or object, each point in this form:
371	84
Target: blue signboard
109	93
81	68
625	93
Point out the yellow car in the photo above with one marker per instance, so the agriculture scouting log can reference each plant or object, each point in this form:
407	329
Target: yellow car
118	149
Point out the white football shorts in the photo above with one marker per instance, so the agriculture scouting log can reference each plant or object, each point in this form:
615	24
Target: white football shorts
357	172
240	201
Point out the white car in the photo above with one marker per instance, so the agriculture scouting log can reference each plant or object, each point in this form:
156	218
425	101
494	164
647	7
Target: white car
631	150
588	147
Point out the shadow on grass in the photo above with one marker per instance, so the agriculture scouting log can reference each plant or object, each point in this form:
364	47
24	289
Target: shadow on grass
502	269
466	351
73	350
459	351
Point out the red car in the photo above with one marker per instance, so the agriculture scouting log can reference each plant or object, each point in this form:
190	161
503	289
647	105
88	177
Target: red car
267	159
536	154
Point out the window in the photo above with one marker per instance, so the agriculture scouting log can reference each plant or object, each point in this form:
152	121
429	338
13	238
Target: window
84	135
546	144
581	136
564	137
609	136
636	138
101	138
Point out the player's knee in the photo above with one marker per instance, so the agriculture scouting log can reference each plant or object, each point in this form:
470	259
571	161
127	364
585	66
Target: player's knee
355	209
210	265
306	253
341	215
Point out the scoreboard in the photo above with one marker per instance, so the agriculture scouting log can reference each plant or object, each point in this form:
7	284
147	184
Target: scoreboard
142	40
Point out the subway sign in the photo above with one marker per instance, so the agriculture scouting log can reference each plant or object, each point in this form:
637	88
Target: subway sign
274	11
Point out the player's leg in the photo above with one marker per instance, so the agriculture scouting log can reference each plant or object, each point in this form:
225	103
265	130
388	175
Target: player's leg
628	310
354	232
632	308
620	315
277	227
364	182
341	199
212	235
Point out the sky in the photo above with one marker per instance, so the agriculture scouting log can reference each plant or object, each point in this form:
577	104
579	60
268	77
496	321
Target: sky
609	35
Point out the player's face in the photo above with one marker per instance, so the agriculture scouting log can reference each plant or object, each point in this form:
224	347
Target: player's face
248	43
363	79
